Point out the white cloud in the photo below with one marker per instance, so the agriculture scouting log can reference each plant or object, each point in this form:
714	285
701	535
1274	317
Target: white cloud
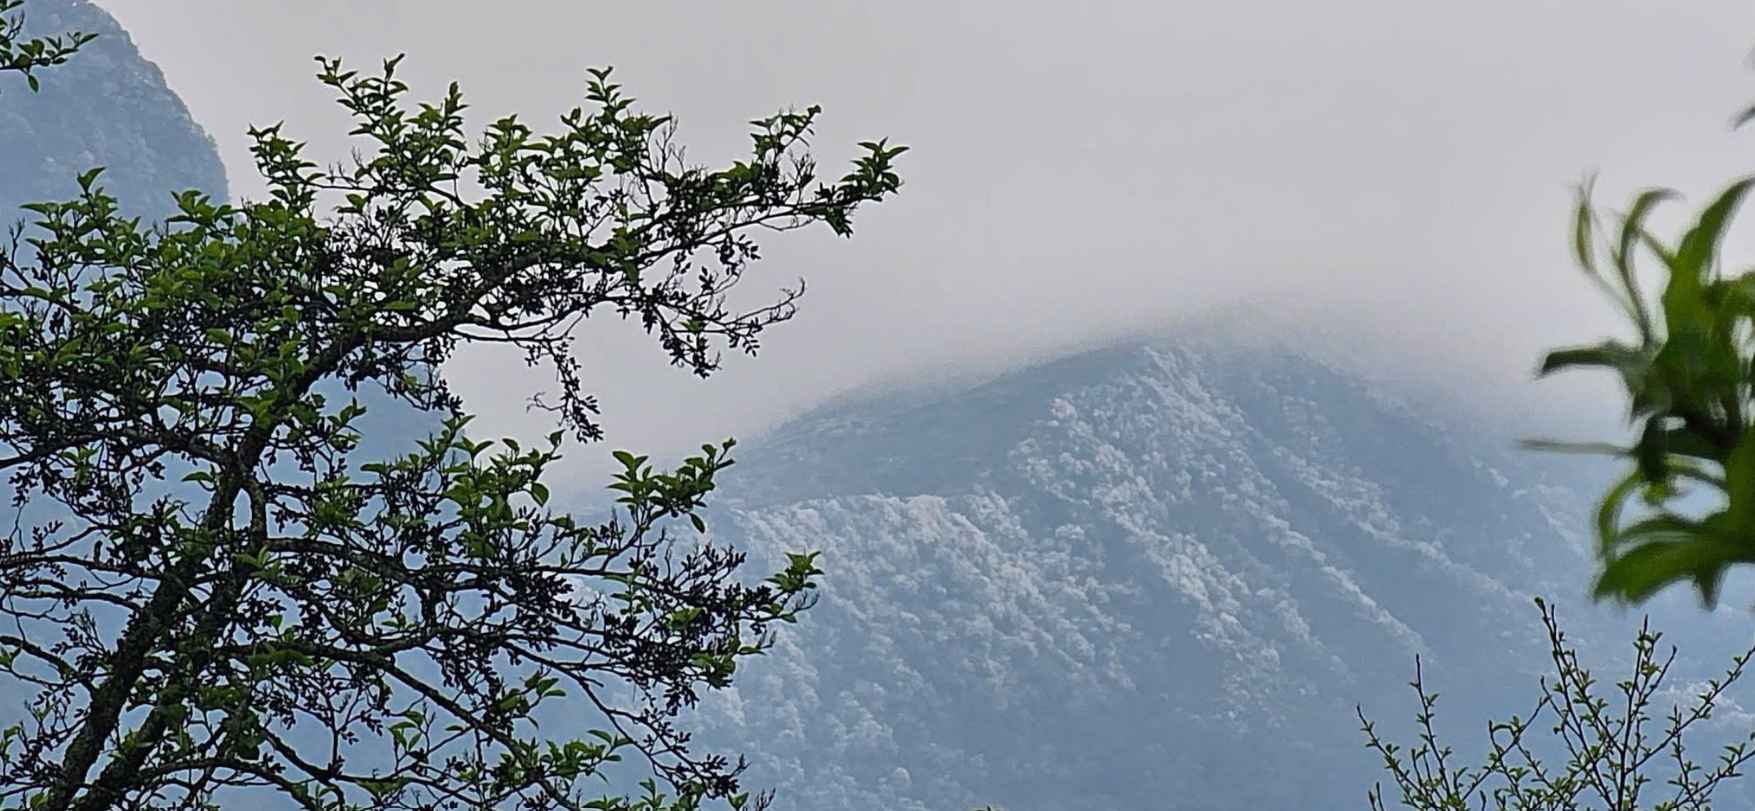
1080	168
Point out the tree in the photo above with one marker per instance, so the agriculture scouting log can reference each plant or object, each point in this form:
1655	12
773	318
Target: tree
1689	375
222	599
1613	744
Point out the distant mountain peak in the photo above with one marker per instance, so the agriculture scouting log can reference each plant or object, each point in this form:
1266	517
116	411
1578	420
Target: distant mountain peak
957	429
1129	574
108	106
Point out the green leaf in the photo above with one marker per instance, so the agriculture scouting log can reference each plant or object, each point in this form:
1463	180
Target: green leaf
1744	117
1633	222
1701	242
1675	549
1584	230
1632	364
1609	512
1608	354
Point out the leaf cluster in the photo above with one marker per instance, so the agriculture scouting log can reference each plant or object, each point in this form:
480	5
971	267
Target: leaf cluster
1689	376
27	56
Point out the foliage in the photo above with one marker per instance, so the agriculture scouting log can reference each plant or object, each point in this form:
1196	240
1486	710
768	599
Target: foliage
1612	745
26	56
210	590
1689	375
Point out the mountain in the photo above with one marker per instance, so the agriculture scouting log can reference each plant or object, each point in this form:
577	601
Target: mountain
108	107
1153	576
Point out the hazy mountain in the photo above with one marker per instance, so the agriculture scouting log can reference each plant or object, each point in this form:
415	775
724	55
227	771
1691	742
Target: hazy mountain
1157	576
107	107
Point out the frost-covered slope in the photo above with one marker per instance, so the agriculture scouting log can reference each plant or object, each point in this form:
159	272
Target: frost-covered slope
1156	576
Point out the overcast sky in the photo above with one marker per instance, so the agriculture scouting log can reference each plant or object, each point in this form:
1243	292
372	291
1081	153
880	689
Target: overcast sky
1079	168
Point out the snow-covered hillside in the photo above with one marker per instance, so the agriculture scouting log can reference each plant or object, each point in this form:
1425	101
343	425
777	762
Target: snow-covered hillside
1153	576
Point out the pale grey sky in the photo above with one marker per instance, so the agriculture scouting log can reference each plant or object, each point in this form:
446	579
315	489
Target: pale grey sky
1079	168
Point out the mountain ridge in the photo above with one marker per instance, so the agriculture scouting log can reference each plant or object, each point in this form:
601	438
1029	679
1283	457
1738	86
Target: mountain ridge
1157	573
1229	544
108	106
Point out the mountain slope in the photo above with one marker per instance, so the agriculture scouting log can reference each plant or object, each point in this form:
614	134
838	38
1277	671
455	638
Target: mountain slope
106	107
1143	577
1153	576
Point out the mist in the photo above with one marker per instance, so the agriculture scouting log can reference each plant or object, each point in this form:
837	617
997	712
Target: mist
1399	173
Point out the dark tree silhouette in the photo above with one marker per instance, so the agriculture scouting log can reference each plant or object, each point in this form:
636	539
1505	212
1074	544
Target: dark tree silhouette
212	595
